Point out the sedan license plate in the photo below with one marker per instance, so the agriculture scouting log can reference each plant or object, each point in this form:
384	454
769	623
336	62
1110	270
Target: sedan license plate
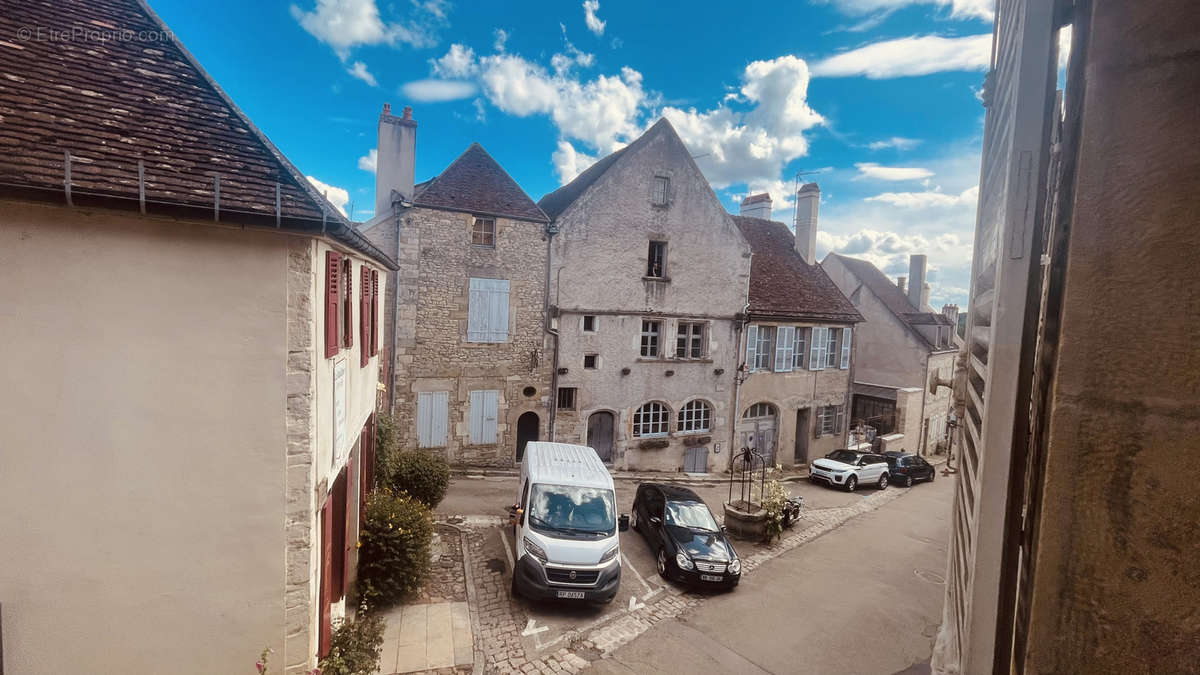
711	577
571	595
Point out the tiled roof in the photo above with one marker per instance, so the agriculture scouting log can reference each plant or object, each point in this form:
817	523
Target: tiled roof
107	82
891	296
782	284
476	183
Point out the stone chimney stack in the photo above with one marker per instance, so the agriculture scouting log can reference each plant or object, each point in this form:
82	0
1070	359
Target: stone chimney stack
395	158
808	197
757	206
900	284
951	312
918	292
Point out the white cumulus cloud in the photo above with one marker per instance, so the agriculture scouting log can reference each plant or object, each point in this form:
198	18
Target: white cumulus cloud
873	170
369	161
897	142
909	56
569	162
432	91
594	24
457	63
359	70
959	9
345	24
333	194
928	199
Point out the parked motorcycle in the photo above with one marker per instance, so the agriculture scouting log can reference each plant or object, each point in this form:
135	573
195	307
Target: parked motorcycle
791	510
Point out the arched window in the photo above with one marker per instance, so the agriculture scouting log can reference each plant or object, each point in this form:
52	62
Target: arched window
759	410
695	416
652	419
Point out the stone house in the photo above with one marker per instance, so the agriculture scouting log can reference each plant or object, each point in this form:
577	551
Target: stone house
190	366
465	321
798	344
903	347
648	281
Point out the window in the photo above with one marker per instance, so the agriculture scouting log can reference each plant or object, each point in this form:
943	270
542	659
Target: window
652	419
566	398
764	348
483	416
432	415
816	351
483	232
759	410
650	330
831	347
589	323
845	363
591	361
661	191
689	340
656	260
695	416
784	347
347	303
799	344
829	420
487	313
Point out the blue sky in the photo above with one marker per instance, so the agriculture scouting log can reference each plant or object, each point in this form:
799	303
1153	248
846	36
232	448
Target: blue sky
879	95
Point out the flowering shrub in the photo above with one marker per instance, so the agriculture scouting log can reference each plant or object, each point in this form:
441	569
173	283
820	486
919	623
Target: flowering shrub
355	646
774	498
393	559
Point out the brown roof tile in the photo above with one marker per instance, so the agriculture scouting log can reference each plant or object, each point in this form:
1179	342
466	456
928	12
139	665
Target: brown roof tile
783	285
476	183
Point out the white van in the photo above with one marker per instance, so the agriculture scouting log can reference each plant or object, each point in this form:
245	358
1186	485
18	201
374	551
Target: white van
566	525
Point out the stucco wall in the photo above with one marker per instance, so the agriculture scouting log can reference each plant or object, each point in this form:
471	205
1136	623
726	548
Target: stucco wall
597	267
142	422
1116	585
437	262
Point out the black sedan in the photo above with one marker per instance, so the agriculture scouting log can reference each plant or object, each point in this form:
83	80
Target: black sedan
688	544
907	468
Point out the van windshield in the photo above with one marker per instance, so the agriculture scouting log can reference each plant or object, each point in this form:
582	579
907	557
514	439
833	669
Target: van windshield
572	511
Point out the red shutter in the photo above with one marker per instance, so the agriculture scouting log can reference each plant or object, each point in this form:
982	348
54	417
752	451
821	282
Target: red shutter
337	526
333	275
347	304
364	318
325	600
374	312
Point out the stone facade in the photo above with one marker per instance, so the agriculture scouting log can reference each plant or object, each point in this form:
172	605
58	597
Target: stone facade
599	269
426	326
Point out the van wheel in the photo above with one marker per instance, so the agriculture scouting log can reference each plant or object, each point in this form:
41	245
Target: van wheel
516	592
851	483
662	562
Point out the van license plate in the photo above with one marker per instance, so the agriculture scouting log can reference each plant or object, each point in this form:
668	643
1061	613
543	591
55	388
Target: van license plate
571	595
710	577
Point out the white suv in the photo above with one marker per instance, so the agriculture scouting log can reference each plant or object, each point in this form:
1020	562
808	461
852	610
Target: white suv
849	469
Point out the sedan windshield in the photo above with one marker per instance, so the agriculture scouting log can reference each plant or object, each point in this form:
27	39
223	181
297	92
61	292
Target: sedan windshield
571	510
843	456
691	514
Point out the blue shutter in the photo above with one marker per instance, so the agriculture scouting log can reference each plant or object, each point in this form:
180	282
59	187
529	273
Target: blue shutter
816	355
478	313
432	417
845	348
751	346
484	408
784	345
498	319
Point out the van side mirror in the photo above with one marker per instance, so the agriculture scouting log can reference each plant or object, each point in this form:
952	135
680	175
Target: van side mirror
623	522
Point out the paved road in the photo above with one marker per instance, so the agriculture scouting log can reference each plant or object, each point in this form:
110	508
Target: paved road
865	598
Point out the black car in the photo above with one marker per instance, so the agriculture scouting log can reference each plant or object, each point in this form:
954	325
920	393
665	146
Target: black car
687	542
907	468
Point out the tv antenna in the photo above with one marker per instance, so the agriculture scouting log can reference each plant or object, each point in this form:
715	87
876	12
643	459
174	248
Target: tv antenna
795	190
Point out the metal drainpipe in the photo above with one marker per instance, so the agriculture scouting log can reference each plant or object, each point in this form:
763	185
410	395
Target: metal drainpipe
551	230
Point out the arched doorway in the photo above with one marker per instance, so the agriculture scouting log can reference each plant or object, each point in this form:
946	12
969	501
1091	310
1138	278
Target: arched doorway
600	435
527	430
757	429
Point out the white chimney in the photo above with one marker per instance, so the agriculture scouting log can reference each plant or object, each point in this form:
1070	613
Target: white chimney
808	197
918	292
757	206
900	284
395	157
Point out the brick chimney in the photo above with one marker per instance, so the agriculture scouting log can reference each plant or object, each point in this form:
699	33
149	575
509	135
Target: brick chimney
395	158
918	291
808	197
757	206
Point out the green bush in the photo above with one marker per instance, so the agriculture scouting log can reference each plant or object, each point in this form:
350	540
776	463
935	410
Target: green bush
420	474
387	447
395	537
355	646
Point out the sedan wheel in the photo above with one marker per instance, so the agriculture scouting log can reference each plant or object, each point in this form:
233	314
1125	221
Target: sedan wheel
908	481
882	481
662	563
633	521
851	483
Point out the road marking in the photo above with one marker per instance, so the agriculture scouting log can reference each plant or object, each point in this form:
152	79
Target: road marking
531	630
635	572
508	552
652	593
634	605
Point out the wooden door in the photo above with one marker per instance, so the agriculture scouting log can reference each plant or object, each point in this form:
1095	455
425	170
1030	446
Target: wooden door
600	435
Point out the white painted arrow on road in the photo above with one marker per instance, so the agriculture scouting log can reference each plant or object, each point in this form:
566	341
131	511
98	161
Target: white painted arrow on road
634	605
531	630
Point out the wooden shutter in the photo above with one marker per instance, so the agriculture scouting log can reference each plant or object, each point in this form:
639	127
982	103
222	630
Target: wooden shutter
751	346
498	306
347	303
374	312
432	414
333	275
816	355
478	312
784	345
325	628
484	411
364	317
845	348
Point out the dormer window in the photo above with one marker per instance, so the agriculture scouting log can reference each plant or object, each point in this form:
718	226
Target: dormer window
662	190
656	260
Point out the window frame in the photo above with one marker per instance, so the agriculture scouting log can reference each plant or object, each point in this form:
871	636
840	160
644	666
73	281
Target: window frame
660	190
659	422
799	345
487	287
833	338
765	336
651	339
570	392
690	340
595	362
692	414
583	323
785	343
659	265
346	304
489	233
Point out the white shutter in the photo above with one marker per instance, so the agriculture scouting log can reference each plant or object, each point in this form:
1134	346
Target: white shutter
498	319
845	348
478	313
432	417
751	346
816	355
484	405
784	347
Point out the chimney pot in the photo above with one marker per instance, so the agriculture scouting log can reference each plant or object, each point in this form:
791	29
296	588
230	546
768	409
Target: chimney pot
757	206
900	280
408	112
395	157
387	108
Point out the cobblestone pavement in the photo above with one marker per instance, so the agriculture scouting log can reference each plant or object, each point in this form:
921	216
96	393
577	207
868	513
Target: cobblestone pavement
502	619
447	580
